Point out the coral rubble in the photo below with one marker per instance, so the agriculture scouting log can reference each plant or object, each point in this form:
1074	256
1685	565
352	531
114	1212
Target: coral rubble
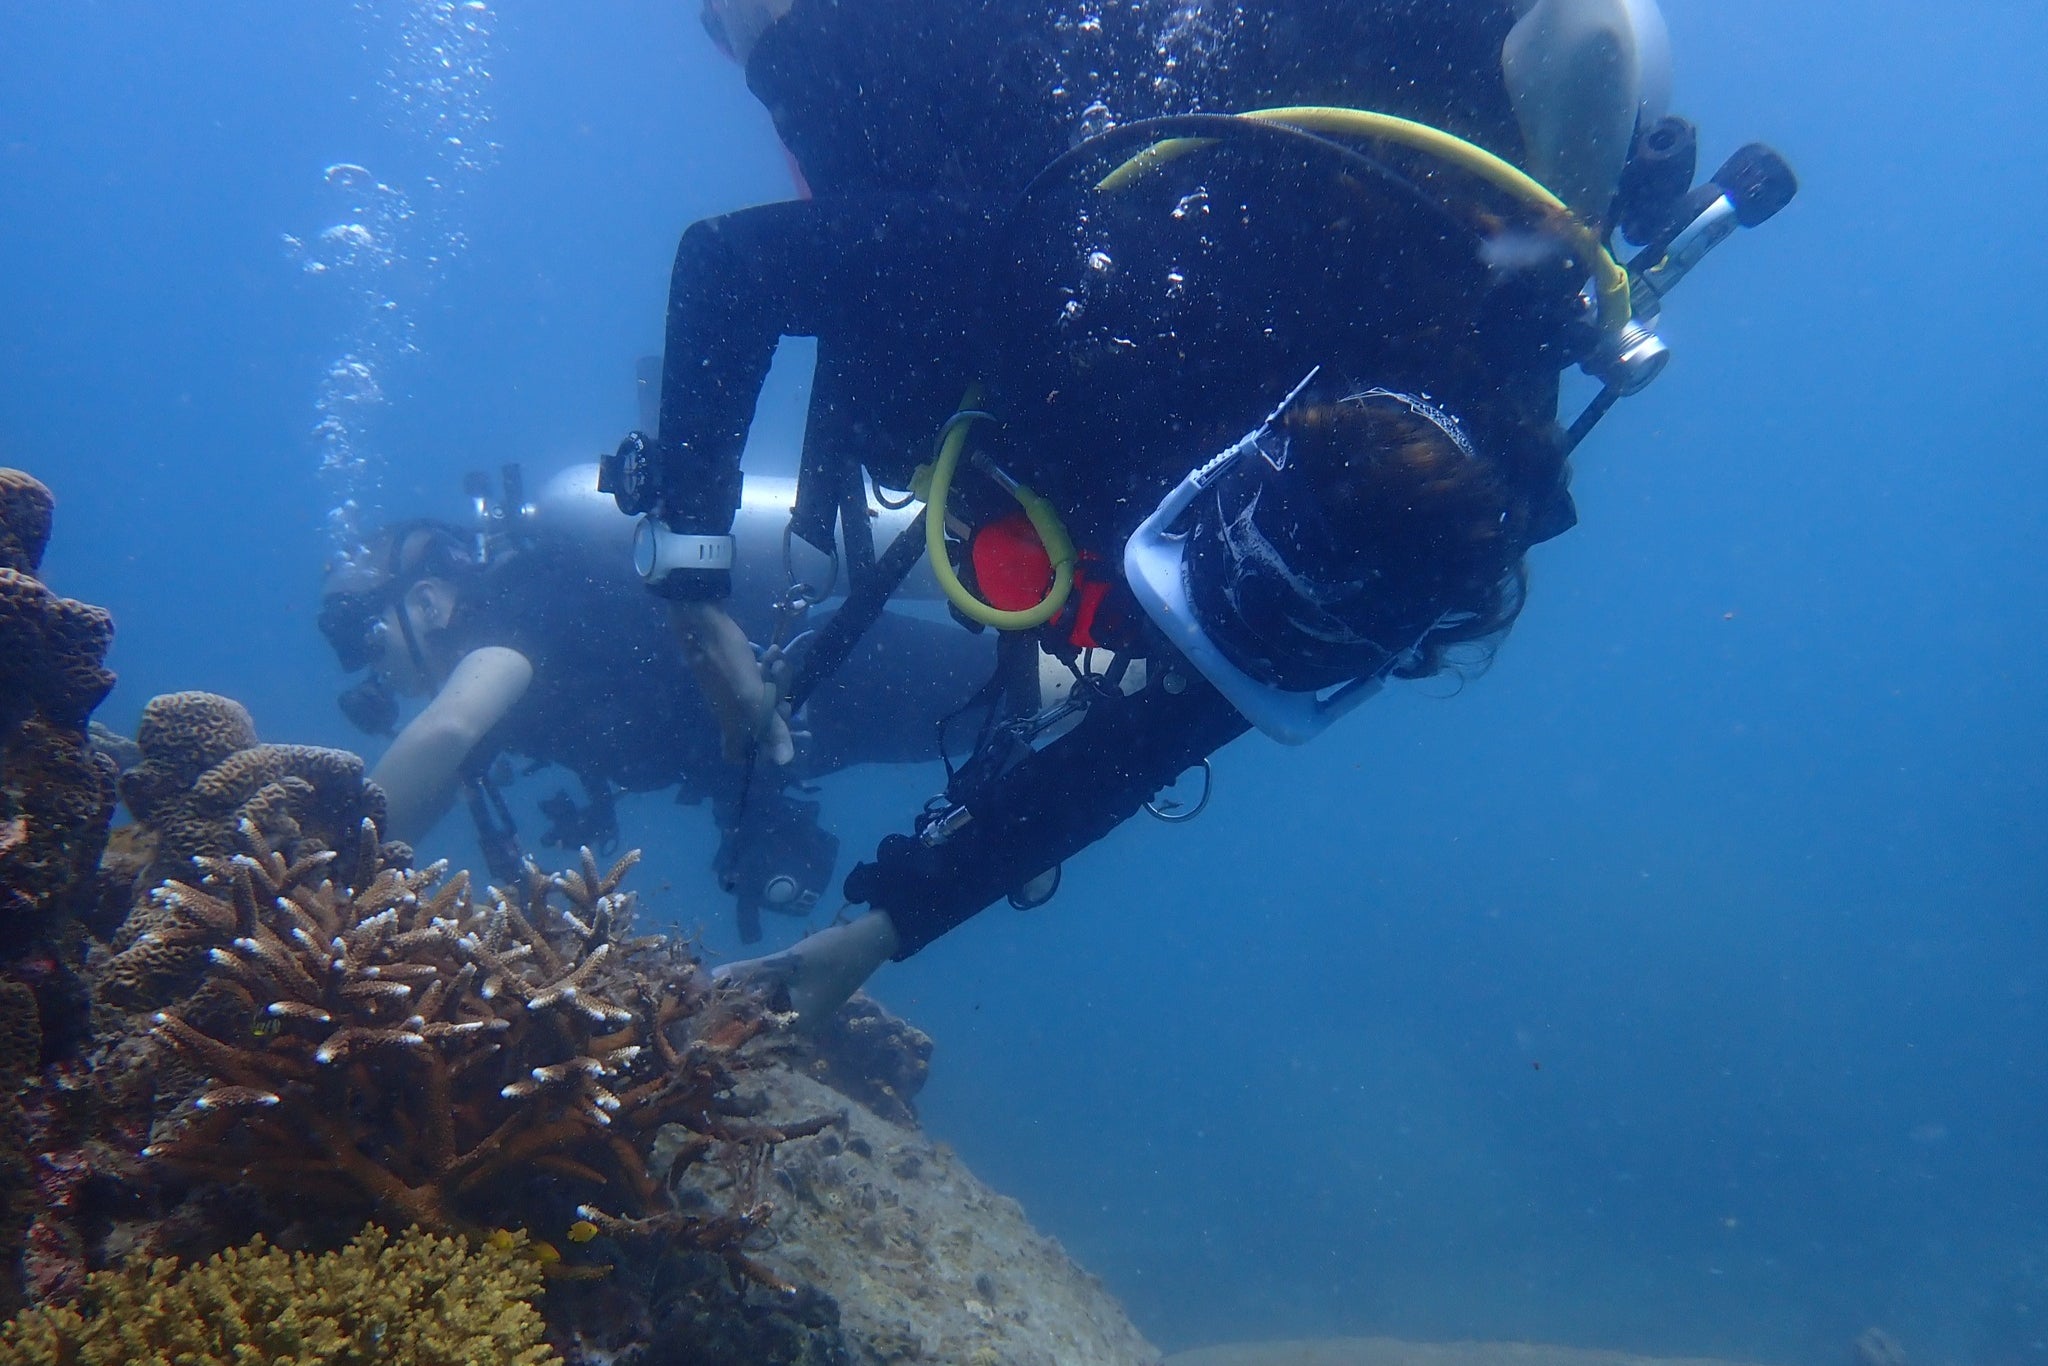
918	1259
420	1300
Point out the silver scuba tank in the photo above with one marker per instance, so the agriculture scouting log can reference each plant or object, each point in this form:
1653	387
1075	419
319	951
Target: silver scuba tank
766	559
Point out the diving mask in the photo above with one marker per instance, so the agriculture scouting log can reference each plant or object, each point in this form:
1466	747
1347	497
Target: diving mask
1261	592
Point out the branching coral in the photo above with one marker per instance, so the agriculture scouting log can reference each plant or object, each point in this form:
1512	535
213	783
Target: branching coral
419	1301
411	1051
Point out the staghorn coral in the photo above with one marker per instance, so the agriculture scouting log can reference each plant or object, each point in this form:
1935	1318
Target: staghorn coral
408	1051
420	1300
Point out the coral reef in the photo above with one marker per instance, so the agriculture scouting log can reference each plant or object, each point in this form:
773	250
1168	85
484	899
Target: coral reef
290	1031
56	791
865	1053
201	781
56	799
421	1300
903	1256
386	1044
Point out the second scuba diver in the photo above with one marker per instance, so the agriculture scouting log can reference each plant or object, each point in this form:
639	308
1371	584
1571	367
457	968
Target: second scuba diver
1255	411
533	639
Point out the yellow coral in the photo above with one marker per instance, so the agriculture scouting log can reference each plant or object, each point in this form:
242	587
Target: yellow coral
418	1301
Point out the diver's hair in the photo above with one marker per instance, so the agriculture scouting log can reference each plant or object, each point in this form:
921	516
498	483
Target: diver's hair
1443	533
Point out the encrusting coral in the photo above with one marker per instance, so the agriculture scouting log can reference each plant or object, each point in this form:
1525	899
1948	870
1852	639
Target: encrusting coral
420	1300
402	1049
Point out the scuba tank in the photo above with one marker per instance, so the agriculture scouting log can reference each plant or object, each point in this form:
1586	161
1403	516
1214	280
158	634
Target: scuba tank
764	553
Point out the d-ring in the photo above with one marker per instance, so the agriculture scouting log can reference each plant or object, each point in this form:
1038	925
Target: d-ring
1173	817
812	596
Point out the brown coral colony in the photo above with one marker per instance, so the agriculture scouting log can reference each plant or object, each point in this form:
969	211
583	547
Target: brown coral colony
418	1053
347	1038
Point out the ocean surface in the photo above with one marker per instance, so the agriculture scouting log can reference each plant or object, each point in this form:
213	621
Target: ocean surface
1677	986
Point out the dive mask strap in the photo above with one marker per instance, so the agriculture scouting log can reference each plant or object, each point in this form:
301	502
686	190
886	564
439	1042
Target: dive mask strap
1430	411
1252	442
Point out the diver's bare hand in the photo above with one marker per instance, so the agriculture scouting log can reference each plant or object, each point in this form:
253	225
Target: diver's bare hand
746	700
817	974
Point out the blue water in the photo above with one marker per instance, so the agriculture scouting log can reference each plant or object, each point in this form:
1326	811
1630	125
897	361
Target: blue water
1676	986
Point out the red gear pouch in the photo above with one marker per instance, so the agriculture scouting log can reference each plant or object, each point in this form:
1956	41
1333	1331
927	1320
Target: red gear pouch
1011	569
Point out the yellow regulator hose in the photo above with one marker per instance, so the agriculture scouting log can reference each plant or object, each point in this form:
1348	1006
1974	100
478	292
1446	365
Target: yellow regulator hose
1610	281
1059	548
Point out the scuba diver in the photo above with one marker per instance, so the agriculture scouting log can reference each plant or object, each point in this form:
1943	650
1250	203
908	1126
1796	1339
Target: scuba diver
529	637
1251	412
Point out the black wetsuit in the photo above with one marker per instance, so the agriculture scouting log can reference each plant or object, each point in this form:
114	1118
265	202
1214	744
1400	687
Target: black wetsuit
613	700
917	127
1126	342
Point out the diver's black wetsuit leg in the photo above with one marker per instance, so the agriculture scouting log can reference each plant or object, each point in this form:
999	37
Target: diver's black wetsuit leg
865	268
1049	806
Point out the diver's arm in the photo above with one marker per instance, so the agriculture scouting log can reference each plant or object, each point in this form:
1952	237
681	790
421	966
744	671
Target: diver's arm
1047	806
822	970
746	702
1041	810
419	771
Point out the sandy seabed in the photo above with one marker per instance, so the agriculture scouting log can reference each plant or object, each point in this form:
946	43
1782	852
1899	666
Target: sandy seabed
1394	1352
